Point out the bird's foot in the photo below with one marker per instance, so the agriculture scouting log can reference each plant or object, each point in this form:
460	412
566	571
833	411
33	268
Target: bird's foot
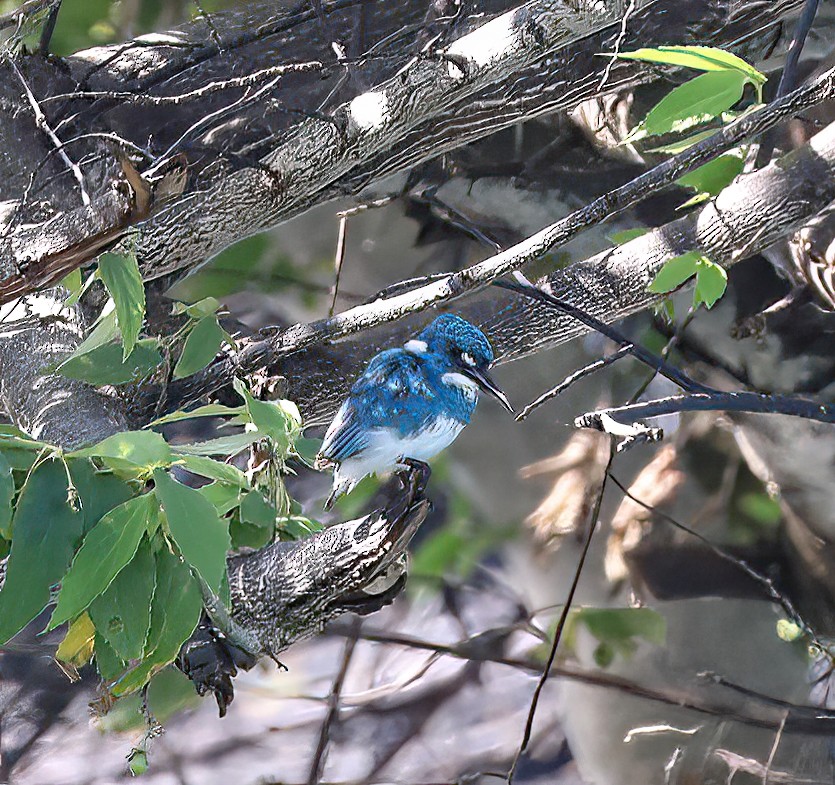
414	476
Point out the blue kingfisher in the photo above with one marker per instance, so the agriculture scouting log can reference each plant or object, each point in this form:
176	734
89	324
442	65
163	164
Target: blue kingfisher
409	404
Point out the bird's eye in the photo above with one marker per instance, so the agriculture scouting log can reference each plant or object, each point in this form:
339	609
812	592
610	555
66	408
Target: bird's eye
467	358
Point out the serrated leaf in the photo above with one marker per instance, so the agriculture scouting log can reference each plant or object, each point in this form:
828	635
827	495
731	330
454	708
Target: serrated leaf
224	445
77	646
106	549
144	450
214	470
210	410
120	274
175	612
46	533
701	58
694	102
6	496
711	282
675	272
196	528
715	175
122	613
106	364
200	348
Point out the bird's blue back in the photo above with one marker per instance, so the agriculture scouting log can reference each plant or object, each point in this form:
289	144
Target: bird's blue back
401	391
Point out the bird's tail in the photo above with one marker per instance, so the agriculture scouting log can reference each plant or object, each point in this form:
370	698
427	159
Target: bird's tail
341	486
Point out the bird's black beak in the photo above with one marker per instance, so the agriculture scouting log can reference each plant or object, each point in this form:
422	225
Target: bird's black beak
483	380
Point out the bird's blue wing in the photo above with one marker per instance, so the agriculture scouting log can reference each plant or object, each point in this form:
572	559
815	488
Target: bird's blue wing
391	393
345	436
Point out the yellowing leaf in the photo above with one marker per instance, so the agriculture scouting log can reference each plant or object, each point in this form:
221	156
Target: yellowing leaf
77	646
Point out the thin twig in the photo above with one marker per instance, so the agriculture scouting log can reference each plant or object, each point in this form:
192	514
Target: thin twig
43	125
211	25
546	671
618	42
715	401
574	377
200	92
49	27
339	258
333	706
763	580
771	755
523	286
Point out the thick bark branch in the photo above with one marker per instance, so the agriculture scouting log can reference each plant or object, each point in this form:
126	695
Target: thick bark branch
746	217
251	167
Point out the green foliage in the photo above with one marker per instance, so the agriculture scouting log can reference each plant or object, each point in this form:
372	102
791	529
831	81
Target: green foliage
120	274
617	630
130	559
711	279
122	613
200	347
711	95
109	546
106	364
195	526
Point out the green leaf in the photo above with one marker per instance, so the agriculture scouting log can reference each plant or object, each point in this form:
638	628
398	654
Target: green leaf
6	497
145	450
225	445
694	102
122	614
214	470
106	364
627	235
46	533
200	347
618	625
104	331
715	175
175	612
210	410
700	58
223	497
297	527
205	307
788	631
109	664
676	147
72	283
711	282
280	420
675	272
200	534
108	547
120	274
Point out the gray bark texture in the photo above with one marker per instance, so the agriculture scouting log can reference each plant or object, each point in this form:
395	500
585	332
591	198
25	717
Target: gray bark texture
250	130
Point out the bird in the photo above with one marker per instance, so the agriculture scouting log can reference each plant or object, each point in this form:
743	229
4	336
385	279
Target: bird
409	404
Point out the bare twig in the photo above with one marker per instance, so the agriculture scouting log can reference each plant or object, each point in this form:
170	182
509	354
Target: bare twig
339	258
710	401
523	286
549	663
333	706
201	92
43	125
574	377
618	42
763	580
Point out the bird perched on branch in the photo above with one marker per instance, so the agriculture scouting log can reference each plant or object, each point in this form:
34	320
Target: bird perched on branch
409	403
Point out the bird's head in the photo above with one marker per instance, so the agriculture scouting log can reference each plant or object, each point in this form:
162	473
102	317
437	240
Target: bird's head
462	346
